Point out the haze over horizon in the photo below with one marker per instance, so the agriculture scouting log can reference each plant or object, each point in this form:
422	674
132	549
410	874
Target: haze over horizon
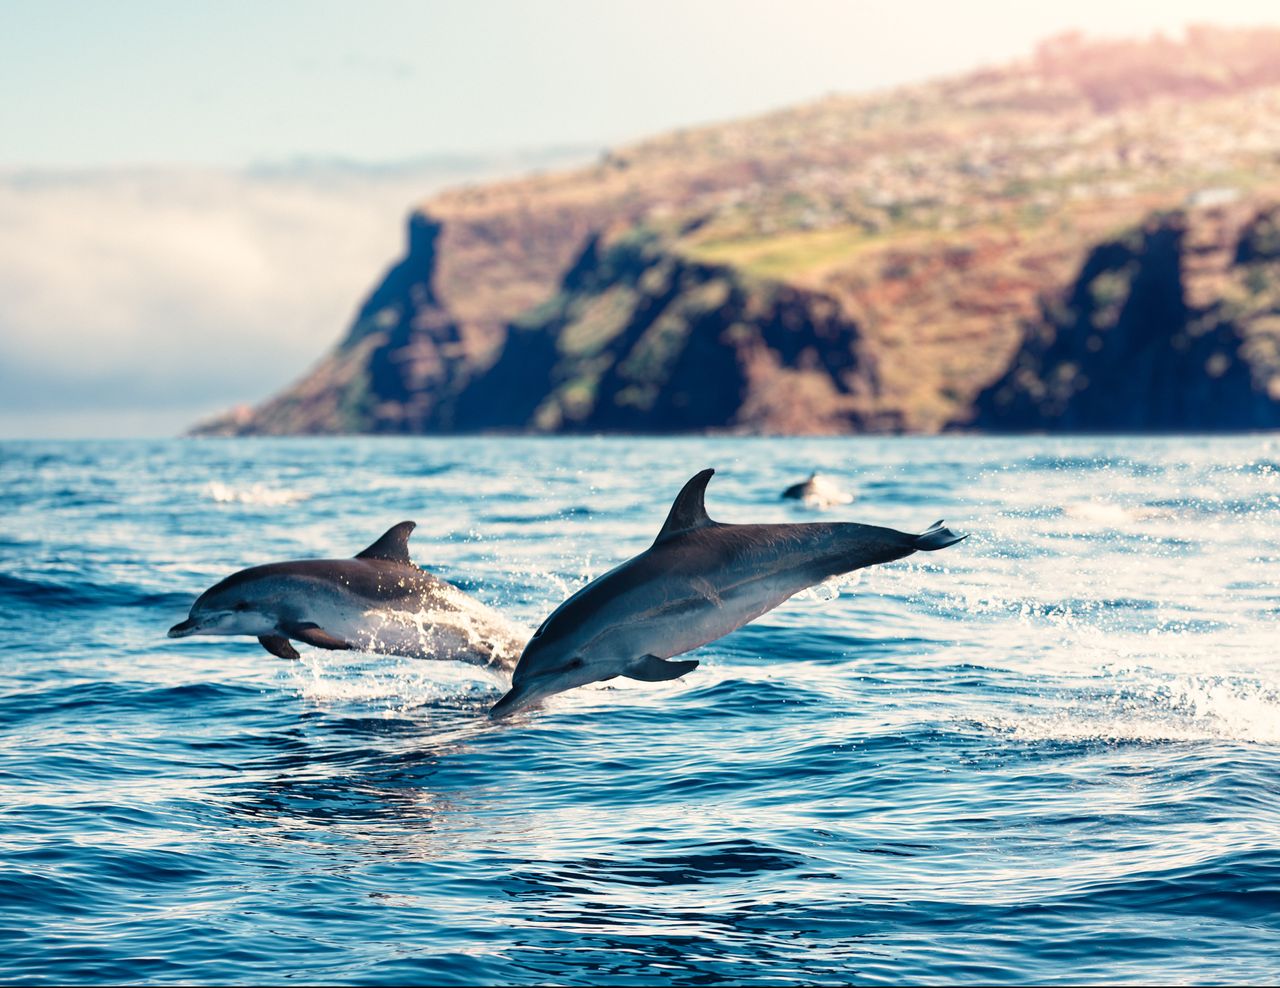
152	270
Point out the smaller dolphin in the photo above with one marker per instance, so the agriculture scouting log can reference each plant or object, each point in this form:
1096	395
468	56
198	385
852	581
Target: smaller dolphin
700	580
378	601
817	492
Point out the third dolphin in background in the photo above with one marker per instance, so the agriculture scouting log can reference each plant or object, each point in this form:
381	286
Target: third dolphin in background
817	492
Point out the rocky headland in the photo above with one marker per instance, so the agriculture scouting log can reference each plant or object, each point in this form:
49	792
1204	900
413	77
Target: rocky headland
1088	239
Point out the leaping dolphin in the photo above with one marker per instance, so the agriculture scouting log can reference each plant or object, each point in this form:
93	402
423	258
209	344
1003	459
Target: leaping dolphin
378	601
700	580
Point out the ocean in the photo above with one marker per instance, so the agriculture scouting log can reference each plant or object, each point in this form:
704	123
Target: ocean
1050	753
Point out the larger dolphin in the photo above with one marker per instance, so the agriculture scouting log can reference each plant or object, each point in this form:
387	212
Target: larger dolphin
700	580
378	601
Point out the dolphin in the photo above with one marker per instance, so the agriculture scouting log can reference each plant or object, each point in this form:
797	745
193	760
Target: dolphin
377	601
817	492
700	580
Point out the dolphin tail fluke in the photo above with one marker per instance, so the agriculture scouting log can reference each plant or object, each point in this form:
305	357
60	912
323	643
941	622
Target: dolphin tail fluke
938	536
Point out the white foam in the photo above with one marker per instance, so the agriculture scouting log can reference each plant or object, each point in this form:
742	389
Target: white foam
1150	707
257	494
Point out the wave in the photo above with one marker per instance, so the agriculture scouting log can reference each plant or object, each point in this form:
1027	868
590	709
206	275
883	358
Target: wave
1241	884
72	595
30	704
1156	709
697	864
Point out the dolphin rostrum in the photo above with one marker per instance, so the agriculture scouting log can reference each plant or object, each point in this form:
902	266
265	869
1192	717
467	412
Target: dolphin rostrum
700	580
378	601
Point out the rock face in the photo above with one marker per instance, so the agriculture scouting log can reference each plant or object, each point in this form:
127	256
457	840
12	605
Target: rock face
1130	346
639	340
936	256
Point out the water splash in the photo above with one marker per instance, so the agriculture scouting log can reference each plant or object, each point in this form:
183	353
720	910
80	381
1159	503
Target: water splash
390	685
832	587
1144	705
449	626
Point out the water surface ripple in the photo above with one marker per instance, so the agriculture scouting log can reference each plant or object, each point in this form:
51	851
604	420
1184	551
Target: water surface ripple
1049	754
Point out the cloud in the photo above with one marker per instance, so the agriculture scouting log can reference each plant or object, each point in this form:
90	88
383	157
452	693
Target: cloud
152	296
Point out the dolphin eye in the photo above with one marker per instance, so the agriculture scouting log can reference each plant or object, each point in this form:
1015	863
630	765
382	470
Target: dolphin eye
577	663
242	605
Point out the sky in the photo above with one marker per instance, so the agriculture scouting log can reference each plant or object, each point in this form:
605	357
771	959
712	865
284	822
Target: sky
176	238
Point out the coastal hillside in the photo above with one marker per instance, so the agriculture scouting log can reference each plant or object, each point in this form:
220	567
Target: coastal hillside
1015	248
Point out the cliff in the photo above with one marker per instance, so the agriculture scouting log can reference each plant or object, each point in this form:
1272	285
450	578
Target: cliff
1173	326
638	339
888	262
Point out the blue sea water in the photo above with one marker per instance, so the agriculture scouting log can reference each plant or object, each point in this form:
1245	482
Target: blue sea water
1048	754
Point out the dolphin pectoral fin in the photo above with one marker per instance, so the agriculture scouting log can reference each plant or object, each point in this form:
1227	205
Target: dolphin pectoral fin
315	635
279	646
651	669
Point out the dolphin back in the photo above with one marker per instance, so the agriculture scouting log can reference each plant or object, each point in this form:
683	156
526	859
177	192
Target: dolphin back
937	536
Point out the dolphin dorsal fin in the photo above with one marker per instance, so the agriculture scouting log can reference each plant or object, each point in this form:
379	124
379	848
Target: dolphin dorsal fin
689	510
393	546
